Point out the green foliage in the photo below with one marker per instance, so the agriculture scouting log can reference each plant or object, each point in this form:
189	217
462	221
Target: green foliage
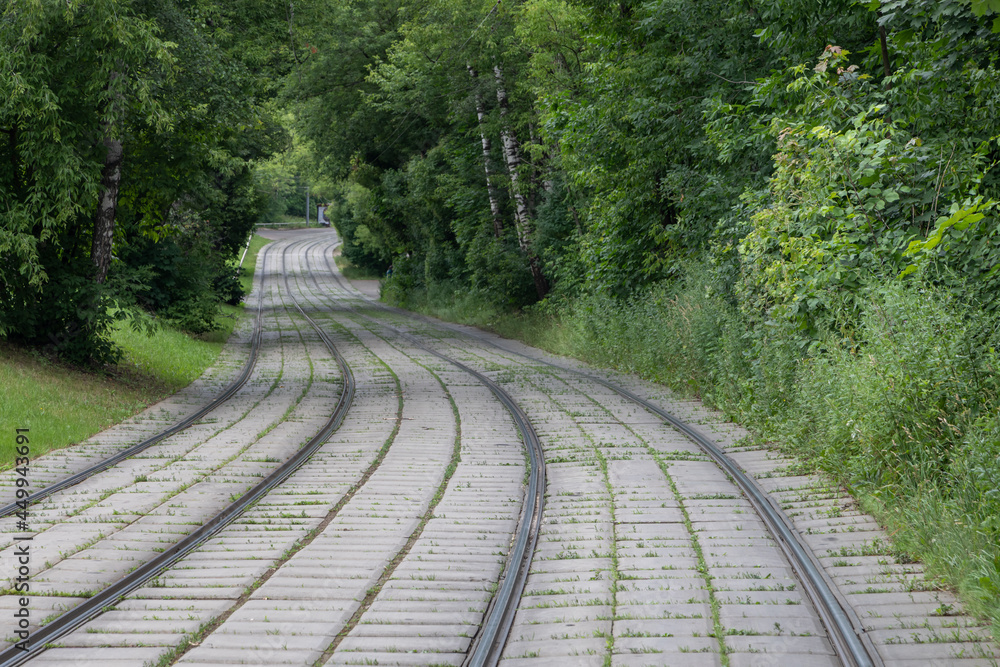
61	67
157	77
56	87
180	277
897	403
853	193
67	315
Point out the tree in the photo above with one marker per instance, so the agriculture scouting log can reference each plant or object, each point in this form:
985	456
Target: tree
70	73
119	114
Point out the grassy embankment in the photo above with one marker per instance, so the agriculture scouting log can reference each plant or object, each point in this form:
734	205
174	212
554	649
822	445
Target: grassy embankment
62	405
352	272
904	412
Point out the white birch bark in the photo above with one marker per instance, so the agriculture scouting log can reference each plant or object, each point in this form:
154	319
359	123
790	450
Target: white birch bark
522	218
487	165
107	203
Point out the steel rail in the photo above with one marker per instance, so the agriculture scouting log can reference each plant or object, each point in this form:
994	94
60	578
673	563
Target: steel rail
93	606
846	637
846	634
499	616
187	422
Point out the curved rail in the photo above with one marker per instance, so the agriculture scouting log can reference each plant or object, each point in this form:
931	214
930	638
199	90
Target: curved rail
499	617
93	606
185	423
845	632
847	639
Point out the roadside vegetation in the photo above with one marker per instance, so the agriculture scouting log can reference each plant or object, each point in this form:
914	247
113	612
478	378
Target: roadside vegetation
63	404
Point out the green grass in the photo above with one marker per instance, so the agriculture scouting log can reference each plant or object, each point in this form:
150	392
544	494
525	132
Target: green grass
173	357
63	405
352	272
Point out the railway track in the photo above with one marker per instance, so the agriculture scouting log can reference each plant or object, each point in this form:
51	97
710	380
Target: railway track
228	392
846	631
489	641
91	607
412	535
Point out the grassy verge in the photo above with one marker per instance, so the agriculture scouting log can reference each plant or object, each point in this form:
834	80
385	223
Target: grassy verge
63	405
352	272
904	411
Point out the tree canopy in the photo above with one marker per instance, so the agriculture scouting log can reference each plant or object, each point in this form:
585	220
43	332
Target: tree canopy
132	130
543	148
523	151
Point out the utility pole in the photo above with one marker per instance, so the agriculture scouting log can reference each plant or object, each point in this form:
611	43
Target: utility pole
307	206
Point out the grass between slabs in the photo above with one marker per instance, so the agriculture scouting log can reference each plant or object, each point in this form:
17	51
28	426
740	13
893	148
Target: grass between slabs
62	405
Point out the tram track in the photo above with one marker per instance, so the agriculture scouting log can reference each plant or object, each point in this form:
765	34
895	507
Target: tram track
93	605
275	577
110	511
23	504
489	642
844	629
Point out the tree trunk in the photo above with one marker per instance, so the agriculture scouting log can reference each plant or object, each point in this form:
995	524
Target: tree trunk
104	221
111	176
522	218
490	185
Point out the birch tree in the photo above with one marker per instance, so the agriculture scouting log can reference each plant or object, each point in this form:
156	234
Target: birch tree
522	214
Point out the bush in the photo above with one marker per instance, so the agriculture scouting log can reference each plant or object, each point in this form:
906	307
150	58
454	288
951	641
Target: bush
67	315
896	403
